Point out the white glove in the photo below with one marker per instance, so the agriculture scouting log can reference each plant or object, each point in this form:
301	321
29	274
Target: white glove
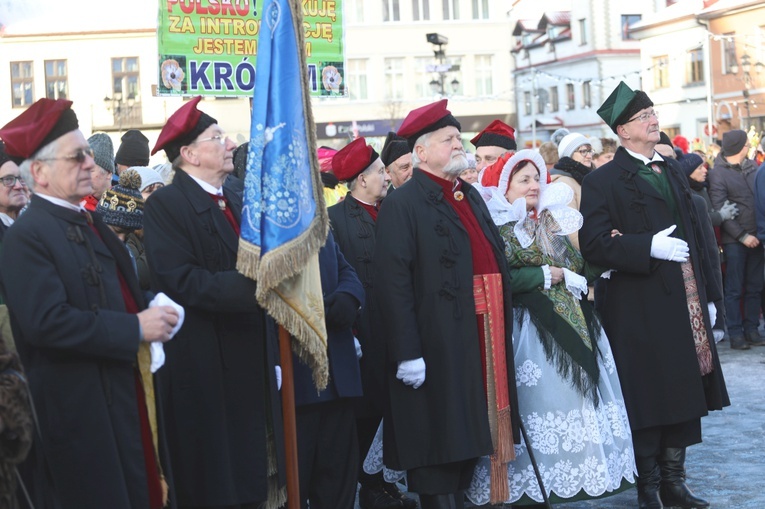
712	313
356	343
278	371
575	283
669	248
728	211
412	372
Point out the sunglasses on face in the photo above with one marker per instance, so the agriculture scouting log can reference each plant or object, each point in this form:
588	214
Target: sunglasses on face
78	157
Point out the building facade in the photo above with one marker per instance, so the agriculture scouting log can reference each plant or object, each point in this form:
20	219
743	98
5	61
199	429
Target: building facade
568	61
109	70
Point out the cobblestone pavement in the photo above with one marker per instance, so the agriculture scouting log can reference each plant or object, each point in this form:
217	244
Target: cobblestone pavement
729	466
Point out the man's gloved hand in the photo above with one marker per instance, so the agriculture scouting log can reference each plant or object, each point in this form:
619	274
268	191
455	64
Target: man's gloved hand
728	211
712	313
356	343
669	248
340	310
412	372
278	371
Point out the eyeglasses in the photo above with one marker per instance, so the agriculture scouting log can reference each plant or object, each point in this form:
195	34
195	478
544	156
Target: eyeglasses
78	157
586	152
10	180
220	138
645	117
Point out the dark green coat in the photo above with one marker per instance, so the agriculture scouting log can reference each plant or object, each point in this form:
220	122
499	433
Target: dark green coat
424	289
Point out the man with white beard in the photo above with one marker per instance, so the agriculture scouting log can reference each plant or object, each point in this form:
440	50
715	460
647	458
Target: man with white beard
435	245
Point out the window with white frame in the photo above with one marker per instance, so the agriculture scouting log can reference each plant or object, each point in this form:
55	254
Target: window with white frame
356	77
484	83
391	11
694	69
660	72
587	94
527	103
554	99
423	76
480	9
570	96
729	52
420	10
354	11
582	32
394	78
22	84
56	82
451	9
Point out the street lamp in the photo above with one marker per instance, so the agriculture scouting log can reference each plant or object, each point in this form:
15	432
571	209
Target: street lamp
746	78
121	107
441	68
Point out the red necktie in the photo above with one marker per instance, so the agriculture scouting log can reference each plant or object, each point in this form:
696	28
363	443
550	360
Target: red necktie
222	203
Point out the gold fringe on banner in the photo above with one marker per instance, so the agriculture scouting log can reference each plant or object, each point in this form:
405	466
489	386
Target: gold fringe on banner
289	286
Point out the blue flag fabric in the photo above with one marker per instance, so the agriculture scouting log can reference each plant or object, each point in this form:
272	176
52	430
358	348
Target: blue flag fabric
284	220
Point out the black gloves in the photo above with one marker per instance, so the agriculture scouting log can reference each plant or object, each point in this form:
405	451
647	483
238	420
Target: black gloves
340	310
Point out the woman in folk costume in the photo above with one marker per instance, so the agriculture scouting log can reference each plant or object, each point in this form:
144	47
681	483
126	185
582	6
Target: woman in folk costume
568	390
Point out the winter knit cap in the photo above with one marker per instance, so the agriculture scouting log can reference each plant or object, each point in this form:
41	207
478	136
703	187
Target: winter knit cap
558	135
134	150
103	151
570	143
122	205
149	176
690	162
733	141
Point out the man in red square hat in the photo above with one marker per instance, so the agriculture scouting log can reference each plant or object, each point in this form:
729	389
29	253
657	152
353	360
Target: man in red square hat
493	142
222	402
80	323
443	303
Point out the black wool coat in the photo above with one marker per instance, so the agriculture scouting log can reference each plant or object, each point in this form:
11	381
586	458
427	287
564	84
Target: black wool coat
219	382
79	347
354	232
644	312
423	286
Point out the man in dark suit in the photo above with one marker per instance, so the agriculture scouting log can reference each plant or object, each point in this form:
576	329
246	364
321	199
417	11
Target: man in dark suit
639	219
353	224
13	191
79	318
436	248
328	453
221	398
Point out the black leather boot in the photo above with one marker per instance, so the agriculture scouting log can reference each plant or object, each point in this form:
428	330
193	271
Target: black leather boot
393	491
375	496
437	501
674	491
648	481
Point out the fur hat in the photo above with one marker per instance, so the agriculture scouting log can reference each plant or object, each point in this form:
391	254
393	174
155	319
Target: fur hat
182	128
622	104
122	205
103	151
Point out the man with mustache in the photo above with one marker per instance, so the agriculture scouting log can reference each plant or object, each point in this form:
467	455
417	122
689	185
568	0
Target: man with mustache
435	245
640	221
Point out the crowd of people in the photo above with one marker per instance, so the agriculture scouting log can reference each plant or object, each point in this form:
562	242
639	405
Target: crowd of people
524	327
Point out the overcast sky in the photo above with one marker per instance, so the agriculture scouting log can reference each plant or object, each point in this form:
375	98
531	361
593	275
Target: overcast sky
20	16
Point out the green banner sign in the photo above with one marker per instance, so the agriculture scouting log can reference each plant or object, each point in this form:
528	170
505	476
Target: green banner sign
209	47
